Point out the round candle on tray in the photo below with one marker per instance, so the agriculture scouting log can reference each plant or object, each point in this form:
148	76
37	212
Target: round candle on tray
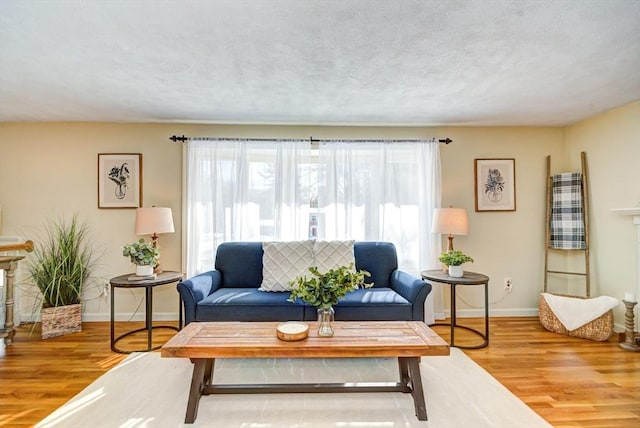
292	330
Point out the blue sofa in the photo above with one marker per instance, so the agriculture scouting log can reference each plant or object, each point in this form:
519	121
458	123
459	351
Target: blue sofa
230	292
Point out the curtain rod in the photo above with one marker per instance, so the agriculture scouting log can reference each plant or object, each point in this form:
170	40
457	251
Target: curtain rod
183	139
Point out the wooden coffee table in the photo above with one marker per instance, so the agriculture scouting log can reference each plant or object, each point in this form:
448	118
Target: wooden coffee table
405	340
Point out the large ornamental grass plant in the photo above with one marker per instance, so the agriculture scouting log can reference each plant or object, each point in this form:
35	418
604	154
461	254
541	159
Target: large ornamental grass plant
62	263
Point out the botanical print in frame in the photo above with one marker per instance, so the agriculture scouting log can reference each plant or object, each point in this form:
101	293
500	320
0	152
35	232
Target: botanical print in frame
495	184
119	180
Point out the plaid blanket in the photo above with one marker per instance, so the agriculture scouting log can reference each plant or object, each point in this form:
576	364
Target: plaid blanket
567	215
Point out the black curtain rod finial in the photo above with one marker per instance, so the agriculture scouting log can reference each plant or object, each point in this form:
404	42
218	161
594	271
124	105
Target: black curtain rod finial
175	138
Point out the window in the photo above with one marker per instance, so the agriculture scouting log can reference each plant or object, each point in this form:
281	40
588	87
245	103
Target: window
287	190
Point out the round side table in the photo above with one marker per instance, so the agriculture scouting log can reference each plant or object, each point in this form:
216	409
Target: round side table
129	281
469	278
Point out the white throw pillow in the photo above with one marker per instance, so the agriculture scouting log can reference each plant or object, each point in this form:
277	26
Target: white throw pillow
333	254
282	262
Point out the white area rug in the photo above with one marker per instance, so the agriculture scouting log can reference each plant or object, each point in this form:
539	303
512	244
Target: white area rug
146	390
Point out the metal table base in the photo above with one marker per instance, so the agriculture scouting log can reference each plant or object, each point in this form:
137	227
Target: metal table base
124	282
469	278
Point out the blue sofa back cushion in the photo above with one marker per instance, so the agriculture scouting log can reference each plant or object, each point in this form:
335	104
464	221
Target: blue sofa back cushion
378	258
240	263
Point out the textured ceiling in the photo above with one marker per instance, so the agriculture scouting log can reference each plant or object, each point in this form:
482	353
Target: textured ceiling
355	62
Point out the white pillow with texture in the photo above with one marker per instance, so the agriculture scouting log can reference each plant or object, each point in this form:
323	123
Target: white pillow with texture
282	262
333	254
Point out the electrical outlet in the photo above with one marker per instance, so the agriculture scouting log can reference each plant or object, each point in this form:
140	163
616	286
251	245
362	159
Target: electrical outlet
105	290
508	285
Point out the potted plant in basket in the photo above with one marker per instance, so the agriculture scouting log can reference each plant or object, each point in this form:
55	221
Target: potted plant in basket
61	266
142	254
324	290
454	259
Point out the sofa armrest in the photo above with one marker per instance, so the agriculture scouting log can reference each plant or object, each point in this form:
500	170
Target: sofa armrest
195	289
413	289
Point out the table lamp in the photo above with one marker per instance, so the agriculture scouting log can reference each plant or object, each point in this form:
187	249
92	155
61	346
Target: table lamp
152	221
450	221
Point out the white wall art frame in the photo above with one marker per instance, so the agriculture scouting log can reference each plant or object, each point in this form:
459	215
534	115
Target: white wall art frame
119	180
495	184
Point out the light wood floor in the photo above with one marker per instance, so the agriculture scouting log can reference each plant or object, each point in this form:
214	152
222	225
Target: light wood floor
569	382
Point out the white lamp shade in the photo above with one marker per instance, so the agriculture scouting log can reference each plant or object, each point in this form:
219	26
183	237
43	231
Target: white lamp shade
450	221
153	220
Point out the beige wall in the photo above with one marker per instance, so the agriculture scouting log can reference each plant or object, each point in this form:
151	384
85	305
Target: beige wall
48	170
503	244
612	143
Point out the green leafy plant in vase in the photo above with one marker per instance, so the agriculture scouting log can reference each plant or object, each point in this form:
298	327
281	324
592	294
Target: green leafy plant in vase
142	254
454	259
324	290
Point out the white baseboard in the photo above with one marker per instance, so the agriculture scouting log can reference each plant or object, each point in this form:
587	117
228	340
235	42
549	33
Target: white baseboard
462	313
101	317
127	316
173	316
31	318
497	313
479	313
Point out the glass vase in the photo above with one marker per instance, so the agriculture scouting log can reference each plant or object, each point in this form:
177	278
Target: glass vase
325	317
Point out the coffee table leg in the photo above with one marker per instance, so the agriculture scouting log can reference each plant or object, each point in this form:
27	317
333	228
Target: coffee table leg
202	370
208	372
417	392
404	373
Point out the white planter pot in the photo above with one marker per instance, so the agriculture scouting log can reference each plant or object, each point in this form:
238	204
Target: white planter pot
456	271
144	270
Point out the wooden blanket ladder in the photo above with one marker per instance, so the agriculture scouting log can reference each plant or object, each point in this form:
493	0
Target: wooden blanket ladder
585	216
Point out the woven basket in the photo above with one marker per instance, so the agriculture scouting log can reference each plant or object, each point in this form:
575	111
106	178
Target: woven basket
600	329
61	320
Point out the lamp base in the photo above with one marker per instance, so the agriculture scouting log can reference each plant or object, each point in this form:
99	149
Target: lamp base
154	240
450	244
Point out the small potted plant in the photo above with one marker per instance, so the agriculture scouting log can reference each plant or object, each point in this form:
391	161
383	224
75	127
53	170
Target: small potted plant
142	254
454	259
324	290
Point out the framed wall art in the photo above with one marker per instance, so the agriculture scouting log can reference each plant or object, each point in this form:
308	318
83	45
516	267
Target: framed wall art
495	184
119	180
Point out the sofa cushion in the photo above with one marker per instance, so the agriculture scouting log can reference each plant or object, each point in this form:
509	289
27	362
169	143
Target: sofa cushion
370	304
333	254
378	258
240	264
282	262
248	304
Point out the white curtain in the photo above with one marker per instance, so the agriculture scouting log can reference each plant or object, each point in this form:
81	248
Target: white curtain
383	192
244	191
